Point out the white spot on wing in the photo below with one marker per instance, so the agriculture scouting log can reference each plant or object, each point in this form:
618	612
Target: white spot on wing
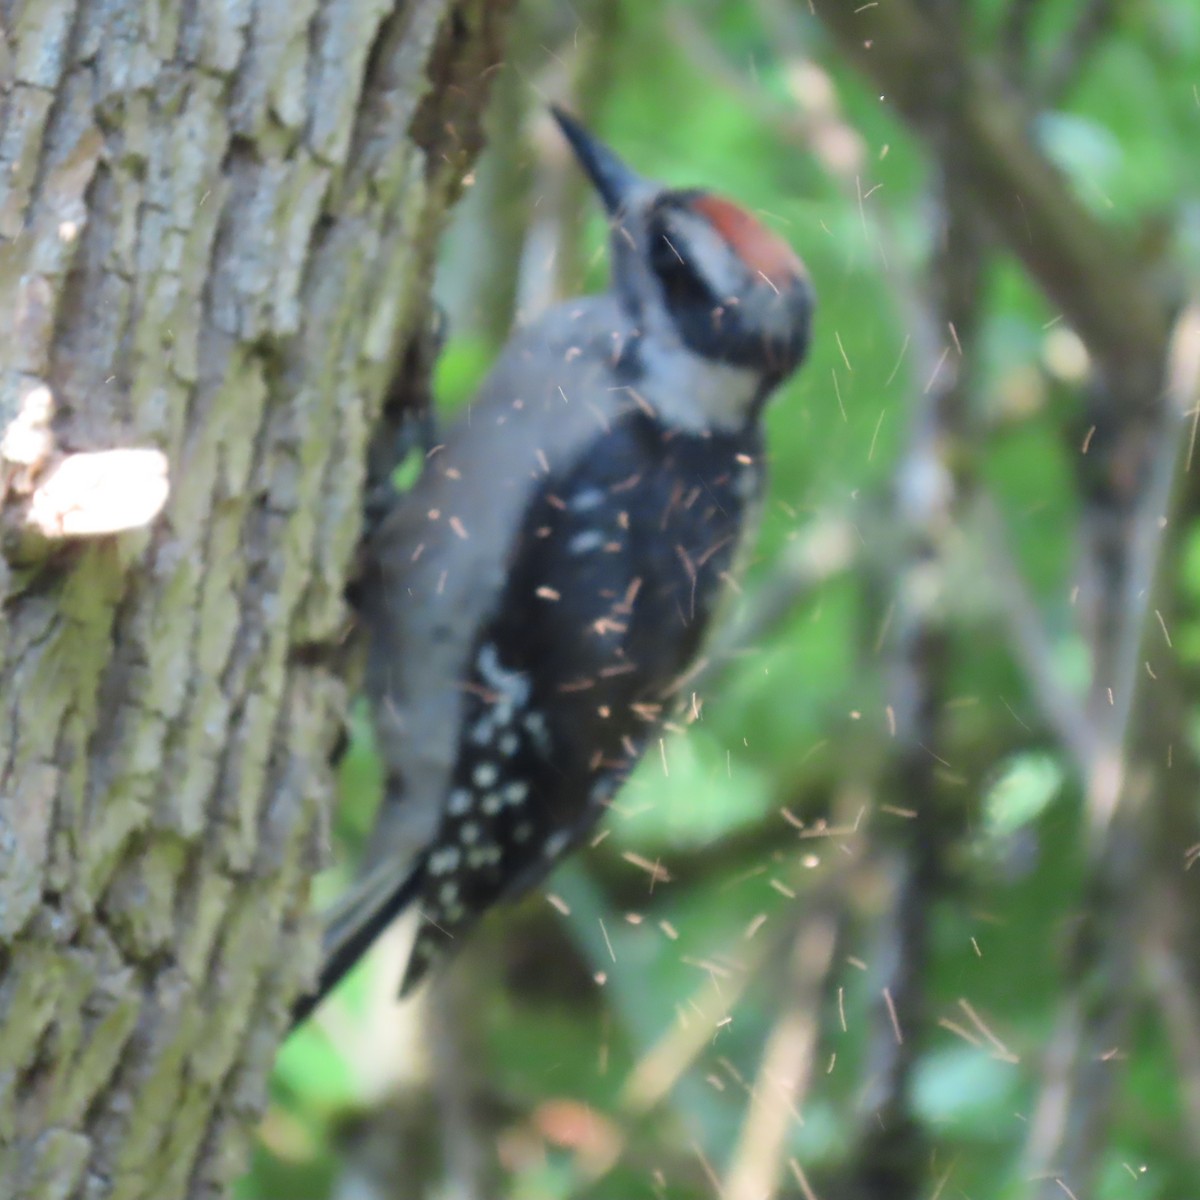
586	542
443	860
535	726
513	686
556	843
586	500
603	790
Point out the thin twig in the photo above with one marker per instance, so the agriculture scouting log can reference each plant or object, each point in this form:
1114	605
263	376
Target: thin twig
1078	1082
1092	21
760	1154
662	1066
1146	539
1062	710
1015	37
1178	1002
785	1072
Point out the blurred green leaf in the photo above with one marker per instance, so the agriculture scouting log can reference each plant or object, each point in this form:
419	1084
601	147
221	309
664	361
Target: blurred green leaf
1082	147
689	790
962	1087
1023	789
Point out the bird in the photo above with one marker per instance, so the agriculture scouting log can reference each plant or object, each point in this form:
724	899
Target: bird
532	606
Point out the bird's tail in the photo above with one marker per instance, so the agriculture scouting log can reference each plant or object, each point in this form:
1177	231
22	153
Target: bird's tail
353	924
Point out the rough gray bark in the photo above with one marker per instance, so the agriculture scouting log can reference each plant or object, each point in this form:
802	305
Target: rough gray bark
217	221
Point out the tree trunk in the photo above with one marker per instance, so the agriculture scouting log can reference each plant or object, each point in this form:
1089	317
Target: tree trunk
217	223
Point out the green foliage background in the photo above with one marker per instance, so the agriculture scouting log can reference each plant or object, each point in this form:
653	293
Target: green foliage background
796	725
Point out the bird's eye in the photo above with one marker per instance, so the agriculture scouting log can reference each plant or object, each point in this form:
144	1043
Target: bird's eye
670	261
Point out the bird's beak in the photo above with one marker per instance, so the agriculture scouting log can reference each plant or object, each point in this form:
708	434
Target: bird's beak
616	183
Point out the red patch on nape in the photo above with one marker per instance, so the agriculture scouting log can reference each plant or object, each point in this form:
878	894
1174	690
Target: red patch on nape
762	251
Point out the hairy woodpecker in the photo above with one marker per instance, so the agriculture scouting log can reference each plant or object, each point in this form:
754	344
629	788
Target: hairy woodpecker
534	601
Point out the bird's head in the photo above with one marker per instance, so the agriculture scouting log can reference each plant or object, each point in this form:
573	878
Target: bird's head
724	285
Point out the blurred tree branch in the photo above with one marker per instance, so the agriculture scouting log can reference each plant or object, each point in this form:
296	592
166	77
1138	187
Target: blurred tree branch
788	1060
979	135
892	1158
925	72
1071	1119
1062	709
1092	21
1015	34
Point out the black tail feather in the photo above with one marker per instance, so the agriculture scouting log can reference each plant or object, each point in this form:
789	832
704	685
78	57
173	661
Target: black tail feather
343	949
